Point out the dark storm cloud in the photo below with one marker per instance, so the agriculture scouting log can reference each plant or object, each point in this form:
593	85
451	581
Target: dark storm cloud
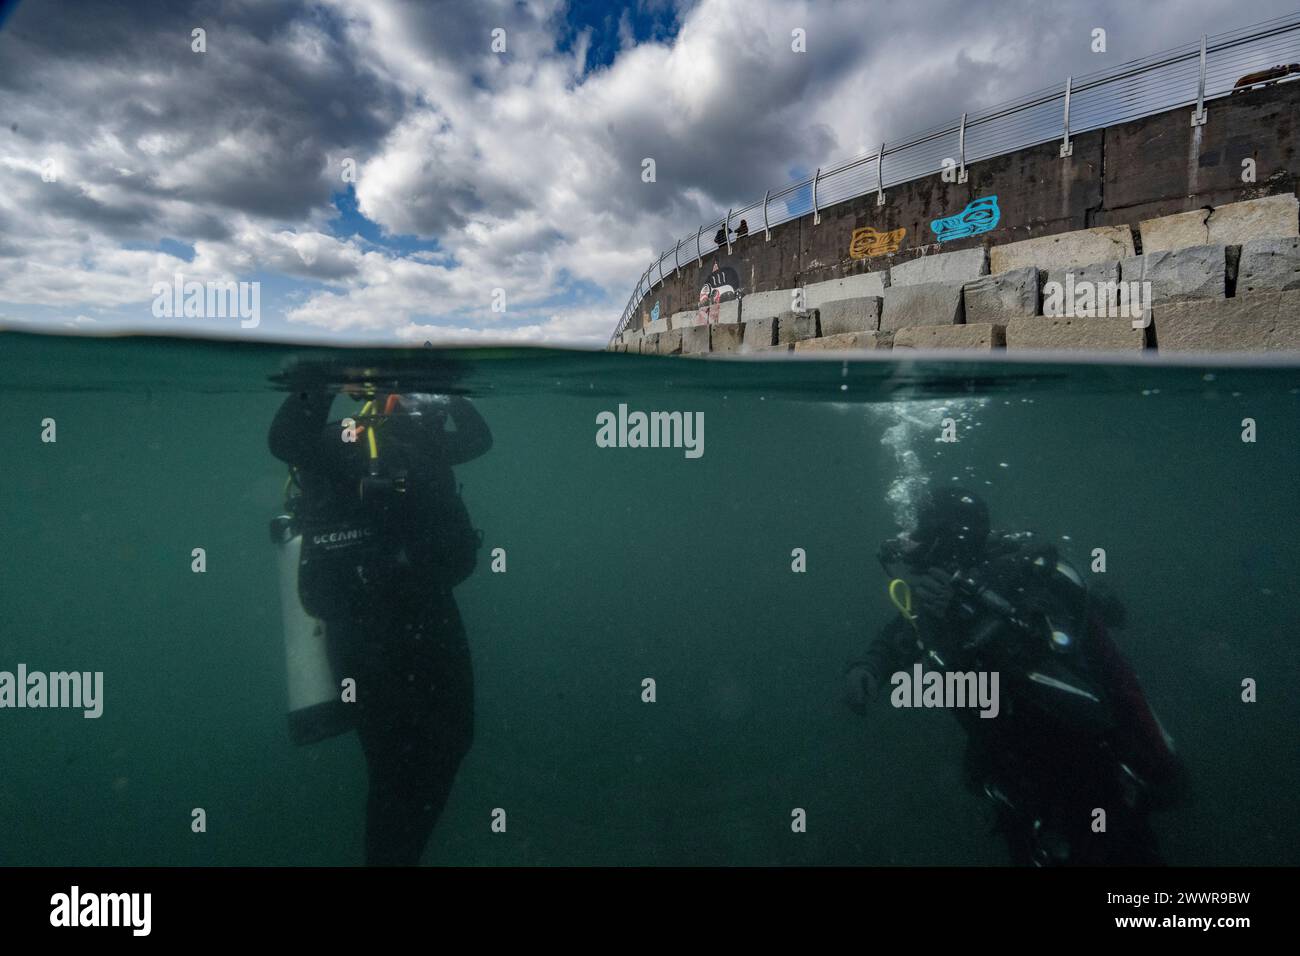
72	70
68	201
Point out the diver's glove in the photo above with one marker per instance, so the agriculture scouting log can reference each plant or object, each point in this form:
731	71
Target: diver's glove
933	592
430	407
416	402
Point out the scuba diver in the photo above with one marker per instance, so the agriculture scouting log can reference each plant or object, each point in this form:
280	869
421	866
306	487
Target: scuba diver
385	537
1074	731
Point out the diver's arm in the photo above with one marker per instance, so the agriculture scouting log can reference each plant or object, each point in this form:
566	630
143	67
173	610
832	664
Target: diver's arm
296	433
472	436
892	651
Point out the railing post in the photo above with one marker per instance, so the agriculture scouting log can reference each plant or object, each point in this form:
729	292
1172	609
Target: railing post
726	231
699	256
817	216
677	266
1198	118
880	176
767	232
961	145
1067	148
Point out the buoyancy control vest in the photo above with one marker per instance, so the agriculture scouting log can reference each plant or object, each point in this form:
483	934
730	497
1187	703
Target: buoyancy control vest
398	523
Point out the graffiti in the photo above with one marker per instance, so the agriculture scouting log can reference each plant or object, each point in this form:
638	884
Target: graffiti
868	242
980	215
654	313
721	286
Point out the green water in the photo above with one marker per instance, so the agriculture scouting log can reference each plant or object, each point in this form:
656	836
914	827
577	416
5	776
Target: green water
624	564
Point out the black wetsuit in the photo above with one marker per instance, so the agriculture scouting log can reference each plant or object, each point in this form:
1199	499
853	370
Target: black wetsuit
1073	732
399	633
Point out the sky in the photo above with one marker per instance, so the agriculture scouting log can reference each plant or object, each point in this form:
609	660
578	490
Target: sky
395	172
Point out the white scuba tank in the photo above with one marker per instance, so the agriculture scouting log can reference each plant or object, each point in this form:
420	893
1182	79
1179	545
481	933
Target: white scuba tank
316	708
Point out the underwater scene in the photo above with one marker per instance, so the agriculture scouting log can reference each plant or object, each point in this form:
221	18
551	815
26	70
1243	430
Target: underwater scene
641	657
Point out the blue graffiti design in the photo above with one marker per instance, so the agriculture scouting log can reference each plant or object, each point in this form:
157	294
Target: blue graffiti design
654	313
980	215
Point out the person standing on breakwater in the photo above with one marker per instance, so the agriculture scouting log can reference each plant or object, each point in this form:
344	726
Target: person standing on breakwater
1073	732
386	537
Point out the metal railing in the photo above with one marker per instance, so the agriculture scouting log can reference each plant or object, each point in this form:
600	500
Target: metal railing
1193	73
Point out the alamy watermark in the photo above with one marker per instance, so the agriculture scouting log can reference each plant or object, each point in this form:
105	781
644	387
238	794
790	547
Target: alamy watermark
946	689
1086	298
63	689
75	908
208	300
651	430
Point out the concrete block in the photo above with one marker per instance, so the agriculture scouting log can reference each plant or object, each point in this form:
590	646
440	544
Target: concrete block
816	294
964	265
846	340
793	326
767	349
632	340
758	333
728	312
767	305
1269	265
1265	322
695	340
934	303
999	298
850	315
667	343
1193	272
1175	232
1047	334
1269	217
660	325
726	338
1060	287
1231	224
1065	250
985	335
684	320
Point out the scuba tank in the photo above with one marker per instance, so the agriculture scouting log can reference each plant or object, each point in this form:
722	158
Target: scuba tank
316	711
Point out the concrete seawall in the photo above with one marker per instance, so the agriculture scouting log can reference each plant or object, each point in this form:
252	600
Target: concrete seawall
1130	205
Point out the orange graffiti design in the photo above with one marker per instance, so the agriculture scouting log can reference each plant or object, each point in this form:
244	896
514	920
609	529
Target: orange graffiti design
868	242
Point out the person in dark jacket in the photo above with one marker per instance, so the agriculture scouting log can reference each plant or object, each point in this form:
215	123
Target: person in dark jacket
385	539
1072	733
